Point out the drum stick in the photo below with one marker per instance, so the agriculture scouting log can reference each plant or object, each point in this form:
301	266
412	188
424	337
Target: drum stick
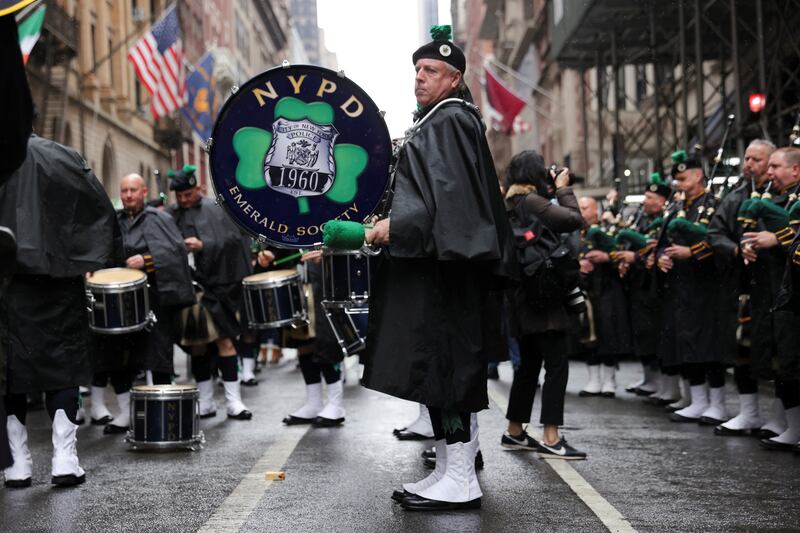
289	258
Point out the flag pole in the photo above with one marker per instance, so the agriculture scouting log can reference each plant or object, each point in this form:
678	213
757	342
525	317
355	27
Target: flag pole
512	72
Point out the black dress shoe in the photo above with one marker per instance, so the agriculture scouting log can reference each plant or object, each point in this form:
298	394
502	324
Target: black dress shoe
250	383
102	421
608	394
765	434
769	444
404	434
642	392
418	503
296	420
430	453
212	414
241	415
659	402
111	429
18	483
585	394
68	481
726	432
400	495
708	421
675	417
322	422
430	462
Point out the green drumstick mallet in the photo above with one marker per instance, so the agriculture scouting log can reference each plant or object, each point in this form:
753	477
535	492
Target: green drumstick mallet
343	235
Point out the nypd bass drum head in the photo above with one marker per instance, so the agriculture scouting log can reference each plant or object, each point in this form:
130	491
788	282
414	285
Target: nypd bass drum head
295	147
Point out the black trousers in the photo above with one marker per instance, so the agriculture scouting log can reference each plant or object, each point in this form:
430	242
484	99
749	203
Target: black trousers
548	349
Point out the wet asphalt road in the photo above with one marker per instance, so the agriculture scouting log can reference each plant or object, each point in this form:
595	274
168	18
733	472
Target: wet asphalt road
659	475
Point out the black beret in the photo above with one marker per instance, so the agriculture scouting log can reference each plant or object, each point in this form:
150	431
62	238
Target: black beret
183	179
682	162
442	48
658	185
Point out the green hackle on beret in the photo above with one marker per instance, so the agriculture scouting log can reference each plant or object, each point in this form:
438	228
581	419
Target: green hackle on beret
343	235
679	156
442	33
656	179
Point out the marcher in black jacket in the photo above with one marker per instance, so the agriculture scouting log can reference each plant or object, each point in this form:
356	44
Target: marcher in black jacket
541	327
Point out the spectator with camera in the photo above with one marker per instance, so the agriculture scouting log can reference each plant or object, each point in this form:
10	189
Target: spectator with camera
539	306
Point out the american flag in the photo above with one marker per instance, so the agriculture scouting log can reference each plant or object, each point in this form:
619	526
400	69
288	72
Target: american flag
158	59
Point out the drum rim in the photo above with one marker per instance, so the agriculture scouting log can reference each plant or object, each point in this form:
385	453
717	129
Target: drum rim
328	252
118	331
117	287
222	112
265	283
156	388
279	324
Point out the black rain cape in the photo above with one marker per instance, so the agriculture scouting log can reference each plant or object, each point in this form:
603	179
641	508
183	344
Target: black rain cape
65	226
165	244
432	322
63	220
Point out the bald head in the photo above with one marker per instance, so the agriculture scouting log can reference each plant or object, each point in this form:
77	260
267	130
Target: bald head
589	212
132	192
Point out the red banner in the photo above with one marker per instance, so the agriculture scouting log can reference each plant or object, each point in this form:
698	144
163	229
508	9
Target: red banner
505	103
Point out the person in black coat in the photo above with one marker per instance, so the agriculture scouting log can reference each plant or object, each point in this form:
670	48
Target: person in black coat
153	244
540	326
17	107
219	255
45	329
447	245
609	304
725	235
768	249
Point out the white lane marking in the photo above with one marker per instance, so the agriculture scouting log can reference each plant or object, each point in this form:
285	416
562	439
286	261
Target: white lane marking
608	515
232	514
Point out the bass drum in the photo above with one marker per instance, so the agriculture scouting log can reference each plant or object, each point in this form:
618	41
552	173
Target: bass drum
295	147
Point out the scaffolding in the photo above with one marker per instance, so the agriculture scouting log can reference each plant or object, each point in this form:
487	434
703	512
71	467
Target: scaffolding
705	57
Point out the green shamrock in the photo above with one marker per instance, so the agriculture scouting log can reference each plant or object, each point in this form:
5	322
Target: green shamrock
251	146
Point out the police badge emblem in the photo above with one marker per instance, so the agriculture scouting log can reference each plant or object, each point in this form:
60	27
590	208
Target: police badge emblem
295	147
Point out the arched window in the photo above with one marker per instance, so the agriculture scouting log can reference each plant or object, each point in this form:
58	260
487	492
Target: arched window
67	135
109	176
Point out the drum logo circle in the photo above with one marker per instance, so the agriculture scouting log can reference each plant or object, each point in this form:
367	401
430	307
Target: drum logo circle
295	148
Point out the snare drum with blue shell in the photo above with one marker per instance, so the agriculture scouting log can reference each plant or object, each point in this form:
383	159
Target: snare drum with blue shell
295	147
274	299
165	416
345	278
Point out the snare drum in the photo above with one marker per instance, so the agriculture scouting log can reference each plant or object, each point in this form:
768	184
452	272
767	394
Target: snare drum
118	301
165	416
345	278
274	299
349	328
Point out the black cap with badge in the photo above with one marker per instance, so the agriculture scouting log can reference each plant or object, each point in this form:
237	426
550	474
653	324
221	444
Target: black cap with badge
442	48
658	185
682	162
183	179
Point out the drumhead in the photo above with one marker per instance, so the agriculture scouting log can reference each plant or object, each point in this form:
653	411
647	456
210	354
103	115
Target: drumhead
163	388
272	275
295	147
116	276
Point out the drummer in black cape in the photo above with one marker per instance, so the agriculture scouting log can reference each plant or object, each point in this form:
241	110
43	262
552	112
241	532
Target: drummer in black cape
220	256
318	353
17	111
447	246
153	244
42	314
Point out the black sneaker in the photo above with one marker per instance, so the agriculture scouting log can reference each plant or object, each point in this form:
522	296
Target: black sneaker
519	442
560	450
